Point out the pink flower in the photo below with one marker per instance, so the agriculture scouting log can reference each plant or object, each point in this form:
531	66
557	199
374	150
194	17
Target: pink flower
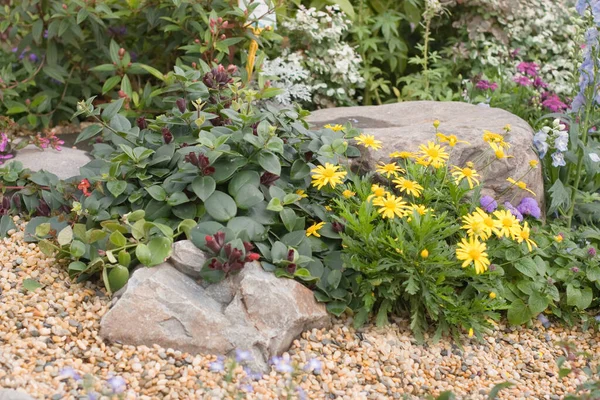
3	142
485	85
553	103
528	68
539	83
523	81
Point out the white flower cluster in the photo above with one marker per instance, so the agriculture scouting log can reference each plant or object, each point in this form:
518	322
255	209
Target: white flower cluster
318	66
541	31
555	137
291	76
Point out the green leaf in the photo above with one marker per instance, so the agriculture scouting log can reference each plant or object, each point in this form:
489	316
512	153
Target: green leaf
117	239
143	254
580	298
160	249
112	109
497	388
203	229
88	133
334	278
289	218
110	83
153	71
204	187
177	198
77	249
118	277
241	179
519	313
220	206
42	229
65	236
275	205
299	170
46	247
537	302
31	285
116	188
337	308
560	195
157	193
6	224
77	266
104	68
255	232
124	258
527	267
592	273
270	162
248	196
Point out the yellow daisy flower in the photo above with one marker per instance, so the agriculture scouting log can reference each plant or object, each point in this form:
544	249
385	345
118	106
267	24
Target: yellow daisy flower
314	229
491	137
467	173
348	193
422	161
390	206
402	154
389	170
488	221
559	238
499	151
452	140
520	185
473	251
523	236
420	209
425	253
327	175
377	191
335	128
492	295
508	225
533	163
409	187
368	141
474	226
301	193
434	154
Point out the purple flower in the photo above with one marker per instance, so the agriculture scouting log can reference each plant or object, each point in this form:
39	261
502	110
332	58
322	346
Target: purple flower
538	83
252	374
544	320
242	356
3	142
217	366
33	58
513	211
117	384
488	203
301	393
529	206
92	396
314	365
592	252
553	103
575	270
522	80
247	388
282	365
528	68
485	85
69	372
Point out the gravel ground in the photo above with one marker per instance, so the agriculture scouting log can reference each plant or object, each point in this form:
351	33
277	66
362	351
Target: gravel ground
56	326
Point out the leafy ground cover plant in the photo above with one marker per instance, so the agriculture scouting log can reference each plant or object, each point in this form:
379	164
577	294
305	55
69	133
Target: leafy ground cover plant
56	52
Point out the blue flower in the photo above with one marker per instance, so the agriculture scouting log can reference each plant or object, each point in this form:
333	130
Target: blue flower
92	396
252	374
301	393
540	144
314	365
488	203
242	356
562	141
117	384
247	388
69	372
558	159
529	206
513	211
282	365
217	366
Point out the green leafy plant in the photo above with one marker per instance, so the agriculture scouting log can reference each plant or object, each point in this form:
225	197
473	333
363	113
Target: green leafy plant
58	52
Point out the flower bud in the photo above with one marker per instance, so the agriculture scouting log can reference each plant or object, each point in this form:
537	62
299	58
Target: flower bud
592	252
64	6
167	135
436	124
223	37
121	52
197	41
181	104
574	269
225	24
425	253
141	122
492	295
27	102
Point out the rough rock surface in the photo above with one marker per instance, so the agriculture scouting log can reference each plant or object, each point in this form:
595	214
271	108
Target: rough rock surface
187	258
404	126
64	163
8	394
252	311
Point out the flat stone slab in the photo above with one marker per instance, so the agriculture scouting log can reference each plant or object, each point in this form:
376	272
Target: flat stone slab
9	394
64	163
405	126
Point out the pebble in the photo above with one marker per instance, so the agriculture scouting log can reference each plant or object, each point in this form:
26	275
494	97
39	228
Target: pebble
57	326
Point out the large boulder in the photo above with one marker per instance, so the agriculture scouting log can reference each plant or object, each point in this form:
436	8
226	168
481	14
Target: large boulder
253	310
404	126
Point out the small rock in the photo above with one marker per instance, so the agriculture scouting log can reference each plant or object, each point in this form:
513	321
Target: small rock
187	258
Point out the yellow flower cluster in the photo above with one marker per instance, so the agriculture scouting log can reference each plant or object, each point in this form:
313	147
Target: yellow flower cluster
480	226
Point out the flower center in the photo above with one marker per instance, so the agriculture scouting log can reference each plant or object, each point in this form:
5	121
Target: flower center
468	172
507	222
474	254
328	173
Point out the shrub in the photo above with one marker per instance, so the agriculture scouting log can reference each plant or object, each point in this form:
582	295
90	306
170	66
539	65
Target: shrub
57	52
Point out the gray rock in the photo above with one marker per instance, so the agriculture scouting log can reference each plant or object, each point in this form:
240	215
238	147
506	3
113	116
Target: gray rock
253	311
64	163
187	258
404	126
9	394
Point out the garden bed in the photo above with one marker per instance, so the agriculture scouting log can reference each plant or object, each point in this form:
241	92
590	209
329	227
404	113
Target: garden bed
45	332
